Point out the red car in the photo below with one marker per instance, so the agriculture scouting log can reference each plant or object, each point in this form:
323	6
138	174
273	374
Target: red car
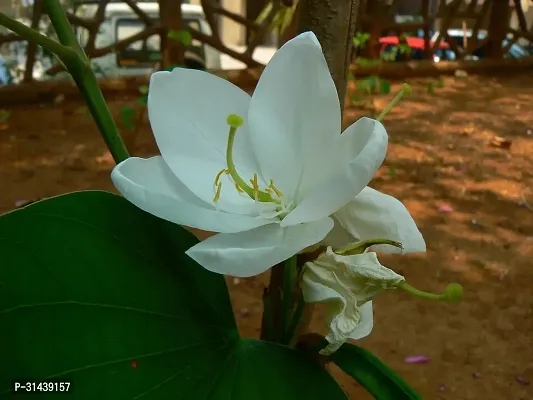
389	45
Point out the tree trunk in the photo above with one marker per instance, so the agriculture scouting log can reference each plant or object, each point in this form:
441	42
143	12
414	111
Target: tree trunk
333	22
498	25
172	51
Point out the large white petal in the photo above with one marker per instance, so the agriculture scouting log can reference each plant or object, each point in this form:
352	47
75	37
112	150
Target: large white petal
375	215
150	185
253	252
364	146
188	110
295	118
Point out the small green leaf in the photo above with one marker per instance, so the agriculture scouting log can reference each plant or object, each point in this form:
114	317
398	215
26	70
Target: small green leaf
95	290
127	117
384	87
142	100
143	89
380	381
431	88
4	115
184	37
440	82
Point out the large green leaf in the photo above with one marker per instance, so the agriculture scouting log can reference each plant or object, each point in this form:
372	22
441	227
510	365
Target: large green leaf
380	381
98	293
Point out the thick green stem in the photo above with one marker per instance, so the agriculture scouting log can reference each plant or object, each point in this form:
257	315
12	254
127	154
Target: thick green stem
289	282
294	322
79	68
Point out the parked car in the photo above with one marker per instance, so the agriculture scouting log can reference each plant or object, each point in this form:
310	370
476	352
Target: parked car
392	46
140	57
458	36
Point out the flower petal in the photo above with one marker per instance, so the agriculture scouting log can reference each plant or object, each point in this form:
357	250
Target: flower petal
150	185
364	146
363	329
295	117
188	110
254	252
372	214
346	284
366	322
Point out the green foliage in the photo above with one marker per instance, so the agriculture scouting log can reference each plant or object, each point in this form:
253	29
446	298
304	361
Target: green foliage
143	89
380	381
366	88
431	87
282	19
127	117
143	99
360	39
433	84
182	36
98	293
4	115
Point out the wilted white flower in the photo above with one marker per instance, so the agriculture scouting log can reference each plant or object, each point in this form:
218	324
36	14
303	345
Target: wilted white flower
347	285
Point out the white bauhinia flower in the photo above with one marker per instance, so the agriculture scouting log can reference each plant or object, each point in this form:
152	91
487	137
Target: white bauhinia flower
347	285
279	174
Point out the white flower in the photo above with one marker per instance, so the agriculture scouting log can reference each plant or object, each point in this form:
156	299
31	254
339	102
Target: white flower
290	137
370	215
347	285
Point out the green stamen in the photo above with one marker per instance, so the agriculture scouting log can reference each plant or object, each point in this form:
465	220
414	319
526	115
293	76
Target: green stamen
406	90
360	247
452	294
235	121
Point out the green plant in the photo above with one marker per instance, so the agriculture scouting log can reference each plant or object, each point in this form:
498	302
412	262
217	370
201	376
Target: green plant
4	115
95	289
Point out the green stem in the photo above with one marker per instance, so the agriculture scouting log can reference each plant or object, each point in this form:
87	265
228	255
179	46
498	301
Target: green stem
79	68
28	33
419	293
289	270
296	317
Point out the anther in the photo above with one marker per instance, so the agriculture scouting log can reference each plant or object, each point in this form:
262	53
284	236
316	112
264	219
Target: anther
217	194
255	186
275	189
217	178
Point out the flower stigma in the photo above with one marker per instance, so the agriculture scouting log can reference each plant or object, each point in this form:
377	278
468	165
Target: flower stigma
271	194
406	91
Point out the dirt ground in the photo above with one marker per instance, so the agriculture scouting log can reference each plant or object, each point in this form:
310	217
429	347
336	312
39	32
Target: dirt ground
471	196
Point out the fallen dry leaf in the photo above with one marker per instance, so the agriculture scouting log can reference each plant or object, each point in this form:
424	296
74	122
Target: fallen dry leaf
502	143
